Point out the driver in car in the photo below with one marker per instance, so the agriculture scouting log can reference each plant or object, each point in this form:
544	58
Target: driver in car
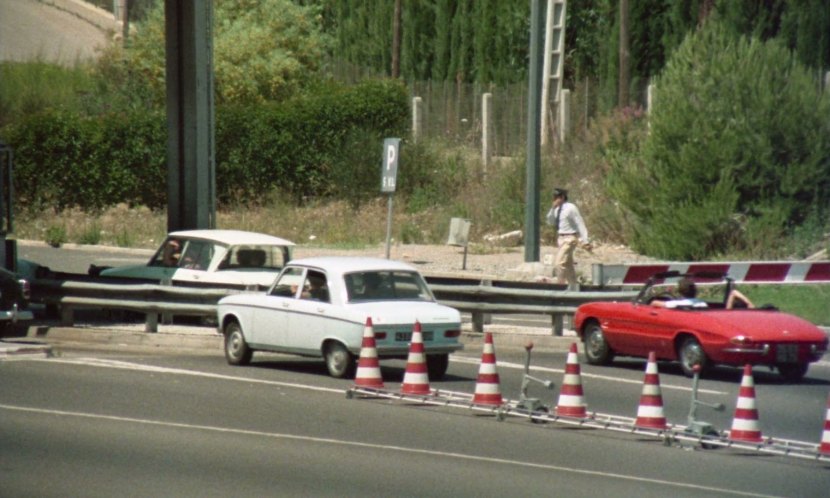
688	296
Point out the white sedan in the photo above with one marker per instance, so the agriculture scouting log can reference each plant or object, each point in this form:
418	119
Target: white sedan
318	307
212	257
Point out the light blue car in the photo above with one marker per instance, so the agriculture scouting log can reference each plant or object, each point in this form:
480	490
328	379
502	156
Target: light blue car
318	307
231	258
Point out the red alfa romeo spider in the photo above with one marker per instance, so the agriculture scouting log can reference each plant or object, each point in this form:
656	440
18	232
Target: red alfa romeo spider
698	333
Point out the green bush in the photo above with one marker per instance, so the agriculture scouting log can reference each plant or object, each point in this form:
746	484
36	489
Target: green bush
738	139
324	145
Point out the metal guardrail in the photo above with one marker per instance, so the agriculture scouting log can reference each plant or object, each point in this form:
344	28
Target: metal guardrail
72	292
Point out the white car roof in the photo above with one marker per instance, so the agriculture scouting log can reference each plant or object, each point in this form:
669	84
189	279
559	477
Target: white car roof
232	237
349	264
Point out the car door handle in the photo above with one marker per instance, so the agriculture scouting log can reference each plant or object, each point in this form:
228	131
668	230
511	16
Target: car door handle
286	304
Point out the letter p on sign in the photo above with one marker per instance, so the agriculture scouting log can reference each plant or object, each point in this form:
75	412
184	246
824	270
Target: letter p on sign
389	172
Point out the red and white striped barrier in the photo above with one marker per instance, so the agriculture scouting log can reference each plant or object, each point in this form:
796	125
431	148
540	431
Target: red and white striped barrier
759	272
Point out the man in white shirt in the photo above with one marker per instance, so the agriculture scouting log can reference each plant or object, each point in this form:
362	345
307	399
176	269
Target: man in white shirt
570	229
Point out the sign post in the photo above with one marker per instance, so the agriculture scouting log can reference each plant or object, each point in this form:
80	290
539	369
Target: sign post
389	173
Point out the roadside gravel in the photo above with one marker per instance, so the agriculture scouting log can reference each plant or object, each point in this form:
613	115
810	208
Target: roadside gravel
506	263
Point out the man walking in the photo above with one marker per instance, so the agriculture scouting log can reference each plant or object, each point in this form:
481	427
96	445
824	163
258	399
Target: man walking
570	229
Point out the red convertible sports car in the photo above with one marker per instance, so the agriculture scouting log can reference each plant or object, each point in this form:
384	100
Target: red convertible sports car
698	332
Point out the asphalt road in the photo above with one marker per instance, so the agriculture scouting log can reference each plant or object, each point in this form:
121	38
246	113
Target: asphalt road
114	422
31	30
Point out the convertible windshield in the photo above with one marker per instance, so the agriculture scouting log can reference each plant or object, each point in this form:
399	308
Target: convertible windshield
387	285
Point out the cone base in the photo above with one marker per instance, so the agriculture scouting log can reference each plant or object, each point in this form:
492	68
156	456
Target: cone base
488	399
747	436
373	383
415	389
647	423
572	411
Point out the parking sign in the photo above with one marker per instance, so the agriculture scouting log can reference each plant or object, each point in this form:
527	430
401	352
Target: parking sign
390	164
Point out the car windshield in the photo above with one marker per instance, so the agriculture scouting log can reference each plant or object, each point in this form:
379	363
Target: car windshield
386	285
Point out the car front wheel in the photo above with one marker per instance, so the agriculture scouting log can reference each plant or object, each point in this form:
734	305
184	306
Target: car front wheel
237	351
690	353
339	361
793	372
597	351
437	365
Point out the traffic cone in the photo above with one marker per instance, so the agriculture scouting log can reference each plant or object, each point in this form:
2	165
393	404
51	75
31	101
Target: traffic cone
824	448
745	424
571	399
487	384
650	412
368	366
416	380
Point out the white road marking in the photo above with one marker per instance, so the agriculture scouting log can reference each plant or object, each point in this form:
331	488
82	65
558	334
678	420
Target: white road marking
96	362
382	447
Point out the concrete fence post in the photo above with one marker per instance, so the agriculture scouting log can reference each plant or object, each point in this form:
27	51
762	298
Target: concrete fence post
564	114
417	117
486	129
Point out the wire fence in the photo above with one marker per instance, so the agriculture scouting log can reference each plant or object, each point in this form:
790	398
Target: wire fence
453	112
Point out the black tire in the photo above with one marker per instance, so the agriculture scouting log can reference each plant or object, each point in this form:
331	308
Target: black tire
437	365
237	351
597	351
793	372
689	354
339	361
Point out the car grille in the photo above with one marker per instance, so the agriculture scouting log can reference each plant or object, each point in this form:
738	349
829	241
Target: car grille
786	353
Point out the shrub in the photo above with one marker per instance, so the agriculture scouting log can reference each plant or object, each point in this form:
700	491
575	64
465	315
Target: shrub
739	132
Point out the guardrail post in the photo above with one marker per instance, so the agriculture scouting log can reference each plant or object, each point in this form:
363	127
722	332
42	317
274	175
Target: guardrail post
151	322
596	275
480	318
67	316
557	324
166	318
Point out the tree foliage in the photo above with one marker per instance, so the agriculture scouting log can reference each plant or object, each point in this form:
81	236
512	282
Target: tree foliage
263	50
739	138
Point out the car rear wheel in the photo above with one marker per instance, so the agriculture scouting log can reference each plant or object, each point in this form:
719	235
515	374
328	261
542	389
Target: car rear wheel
793	372
690	353
339	361
437	365
237	351
597	351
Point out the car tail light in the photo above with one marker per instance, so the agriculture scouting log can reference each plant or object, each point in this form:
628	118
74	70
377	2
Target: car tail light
741	340
380	336
452	333
25	289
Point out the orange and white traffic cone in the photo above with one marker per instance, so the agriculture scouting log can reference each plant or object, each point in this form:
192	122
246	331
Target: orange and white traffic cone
824	448
415	379
368	366
745	424
488	391
571	399
650	412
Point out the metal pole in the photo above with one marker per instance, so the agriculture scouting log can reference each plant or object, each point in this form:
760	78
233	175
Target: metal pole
388	225
533	134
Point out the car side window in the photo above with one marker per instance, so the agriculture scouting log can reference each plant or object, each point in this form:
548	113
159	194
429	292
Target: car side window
288	283
315	287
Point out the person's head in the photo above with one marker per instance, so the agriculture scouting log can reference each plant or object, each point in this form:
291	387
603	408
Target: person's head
172	252
687	288
560	195
316	281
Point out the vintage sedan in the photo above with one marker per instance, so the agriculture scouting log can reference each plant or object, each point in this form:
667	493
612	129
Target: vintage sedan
233	258
318	307
699	333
